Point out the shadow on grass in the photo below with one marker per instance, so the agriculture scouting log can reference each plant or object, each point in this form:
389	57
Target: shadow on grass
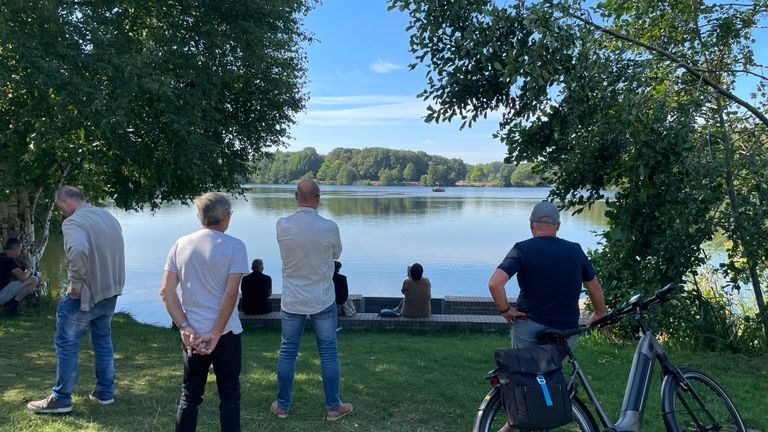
397	381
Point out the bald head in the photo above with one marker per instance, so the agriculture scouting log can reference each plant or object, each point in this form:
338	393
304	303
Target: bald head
540	229
308	194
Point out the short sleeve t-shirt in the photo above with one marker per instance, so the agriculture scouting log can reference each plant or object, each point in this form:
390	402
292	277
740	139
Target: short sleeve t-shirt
550	272
203	262
7	265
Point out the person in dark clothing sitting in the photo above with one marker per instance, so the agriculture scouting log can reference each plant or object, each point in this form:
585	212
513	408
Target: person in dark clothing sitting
15	283
341	287
256	288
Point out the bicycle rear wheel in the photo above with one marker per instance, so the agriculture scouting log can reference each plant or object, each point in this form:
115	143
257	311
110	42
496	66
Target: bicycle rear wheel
703	407
491	416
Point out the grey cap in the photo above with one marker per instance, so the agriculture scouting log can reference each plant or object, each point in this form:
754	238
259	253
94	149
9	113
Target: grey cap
545	212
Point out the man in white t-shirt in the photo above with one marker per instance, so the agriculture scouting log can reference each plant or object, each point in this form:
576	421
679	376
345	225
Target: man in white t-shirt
208	265
309	244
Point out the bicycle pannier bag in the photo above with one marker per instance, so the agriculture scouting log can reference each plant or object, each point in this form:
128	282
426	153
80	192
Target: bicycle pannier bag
534	392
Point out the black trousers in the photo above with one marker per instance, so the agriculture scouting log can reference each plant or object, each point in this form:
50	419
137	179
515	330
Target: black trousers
226	360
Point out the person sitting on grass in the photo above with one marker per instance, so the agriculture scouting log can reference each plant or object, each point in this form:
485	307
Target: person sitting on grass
15	283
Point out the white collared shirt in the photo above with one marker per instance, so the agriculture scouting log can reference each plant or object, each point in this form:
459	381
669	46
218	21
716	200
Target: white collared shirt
308	245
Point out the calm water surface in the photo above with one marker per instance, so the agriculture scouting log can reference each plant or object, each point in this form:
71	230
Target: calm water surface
459	236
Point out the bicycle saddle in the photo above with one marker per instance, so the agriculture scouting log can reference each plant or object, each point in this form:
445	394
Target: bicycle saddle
553	335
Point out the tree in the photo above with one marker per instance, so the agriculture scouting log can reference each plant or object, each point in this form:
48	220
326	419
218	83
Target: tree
140	104
642	103
478	174
444	172
347	175
410	173
300	164
329	170
503	177
390	177
524	175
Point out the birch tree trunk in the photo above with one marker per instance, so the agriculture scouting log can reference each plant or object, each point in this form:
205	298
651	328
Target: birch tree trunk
17	220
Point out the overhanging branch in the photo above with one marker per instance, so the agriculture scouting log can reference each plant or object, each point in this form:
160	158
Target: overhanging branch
679	62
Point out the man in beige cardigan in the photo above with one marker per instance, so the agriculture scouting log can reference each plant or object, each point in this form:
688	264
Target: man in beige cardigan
93	242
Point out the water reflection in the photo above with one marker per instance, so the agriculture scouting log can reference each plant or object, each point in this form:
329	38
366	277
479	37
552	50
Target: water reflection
459	236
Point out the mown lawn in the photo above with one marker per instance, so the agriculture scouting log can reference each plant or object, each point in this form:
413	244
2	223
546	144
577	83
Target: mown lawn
397	381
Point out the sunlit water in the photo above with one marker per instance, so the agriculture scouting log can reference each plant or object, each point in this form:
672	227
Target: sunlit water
459	236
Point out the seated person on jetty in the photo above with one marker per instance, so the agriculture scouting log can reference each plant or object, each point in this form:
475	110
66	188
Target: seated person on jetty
256	288
418	294
342	290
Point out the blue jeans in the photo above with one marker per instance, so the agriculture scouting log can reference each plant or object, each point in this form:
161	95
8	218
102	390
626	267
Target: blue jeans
71	324
291	330
523	334
226	361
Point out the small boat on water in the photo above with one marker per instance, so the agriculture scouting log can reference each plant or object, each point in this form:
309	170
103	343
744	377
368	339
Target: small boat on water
438	189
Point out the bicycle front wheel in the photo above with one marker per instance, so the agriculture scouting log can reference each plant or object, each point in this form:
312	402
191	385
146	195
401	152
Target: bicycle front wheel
491	415
702	406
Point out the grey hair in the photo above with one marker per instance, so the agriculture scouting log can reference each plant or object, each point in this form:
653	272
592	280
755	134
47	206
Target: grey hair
69	192
212	208
257	265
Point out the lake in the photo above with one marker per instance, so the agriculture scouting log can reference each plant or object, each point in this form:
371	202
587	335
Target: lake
459	236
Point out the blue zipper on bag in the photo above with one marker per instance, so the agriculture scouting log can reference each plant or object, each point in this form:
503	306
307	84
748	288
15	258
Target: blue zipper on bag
543	384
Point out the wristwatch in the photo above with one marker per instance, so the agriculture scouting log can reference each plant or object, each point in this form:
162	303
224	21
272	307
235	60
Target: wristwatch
185	325
505	310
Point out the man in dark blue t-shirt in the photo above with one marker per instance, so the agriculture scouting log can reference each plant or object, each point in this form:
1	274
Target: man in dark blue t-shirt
550	272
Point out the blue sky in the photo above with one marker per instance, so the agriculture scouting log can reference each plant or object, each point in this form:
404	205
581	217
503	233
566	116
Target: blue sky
363	95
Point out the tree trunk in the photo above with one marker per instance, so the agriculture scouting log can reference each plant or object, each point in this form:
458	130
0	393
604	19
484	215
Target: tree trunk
761	310
27	216
17	219
739	237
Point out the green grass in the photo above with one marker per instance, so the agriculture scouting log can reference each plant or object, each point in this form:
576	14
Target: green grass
397	381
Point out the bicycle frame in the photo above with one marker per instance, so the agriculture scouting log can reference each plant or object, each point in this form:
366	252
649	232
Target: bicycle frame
675	387
648	351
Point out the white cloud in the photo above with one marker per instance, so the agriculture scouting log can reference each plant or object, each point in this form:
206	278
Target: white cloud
369	110
385	67
376	114
361	100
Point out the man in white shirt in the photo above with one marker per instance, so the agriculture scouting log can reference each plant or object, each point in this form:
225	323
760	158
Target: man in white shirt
308	244
208	265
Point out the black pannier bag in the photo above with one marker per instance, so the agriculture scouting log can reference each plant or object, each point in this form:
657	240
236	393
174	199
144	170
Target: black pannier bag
533	390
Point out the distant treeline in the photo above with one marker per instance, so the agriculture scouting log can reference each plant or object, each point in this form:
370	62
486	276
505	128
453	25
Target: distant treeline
384	166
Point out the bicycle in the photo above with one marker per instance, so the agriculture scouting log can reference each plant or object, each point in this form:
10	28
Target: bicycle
690	400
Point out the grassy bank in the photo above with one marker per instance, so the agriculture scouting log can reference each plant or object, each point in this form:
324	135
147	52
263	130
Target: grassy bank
397	381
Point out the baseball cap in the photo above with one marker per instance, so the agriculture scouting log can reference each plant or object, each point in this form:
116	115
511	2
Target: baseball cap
545	212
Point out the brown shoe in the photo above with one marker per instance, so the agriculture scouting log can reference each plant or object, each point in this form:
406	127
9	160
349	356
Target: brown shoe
338	412
49	405
276	410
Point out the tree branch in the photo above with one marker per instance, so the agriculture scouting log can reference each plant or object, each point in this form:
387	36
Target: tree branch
45	231
744	71
690	69
731	4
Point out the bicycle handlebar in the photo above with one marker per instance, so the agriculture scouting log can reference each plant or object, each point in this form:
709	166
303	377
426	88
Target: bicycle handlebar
637	303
